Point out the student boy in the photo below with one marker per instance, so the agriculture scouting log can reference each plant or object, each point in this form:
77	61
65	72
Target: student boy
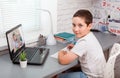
87	49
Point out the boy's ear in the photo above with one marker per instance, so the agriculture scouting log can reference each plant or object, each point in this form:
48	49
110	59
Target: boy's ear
90	25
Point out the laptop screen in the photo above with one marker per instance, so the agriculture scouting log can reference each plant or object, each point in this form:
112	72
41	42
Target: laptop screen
15	40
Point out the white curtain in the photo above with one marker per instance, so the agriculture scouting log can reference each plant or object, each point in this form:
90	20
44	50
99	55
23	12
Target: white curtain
14	12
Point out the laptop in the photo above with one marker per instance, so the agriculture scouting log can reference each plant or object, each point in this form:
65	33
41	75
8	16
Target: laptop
16	45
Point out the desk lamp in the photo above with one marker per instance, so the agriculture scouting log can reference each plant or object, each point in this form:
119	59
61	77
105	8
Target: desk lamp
50	39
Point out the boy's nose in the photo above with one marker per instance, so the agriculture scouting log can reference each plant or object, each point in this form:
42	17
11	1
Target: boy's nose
76	28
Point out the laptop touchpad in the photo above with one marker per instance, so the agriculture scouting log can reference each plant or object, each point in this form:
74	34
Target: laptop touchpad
40	56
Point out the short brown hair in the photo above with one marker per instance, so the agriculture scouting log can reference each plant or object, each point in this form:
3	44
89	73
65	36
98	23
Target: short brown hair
84	14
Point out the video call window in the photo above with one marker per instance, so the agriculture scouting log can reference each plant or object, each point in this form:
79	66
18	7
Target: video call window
15	40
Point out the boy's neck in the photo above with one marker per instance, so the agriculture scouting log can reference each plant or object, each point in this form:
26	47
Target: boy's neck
85	34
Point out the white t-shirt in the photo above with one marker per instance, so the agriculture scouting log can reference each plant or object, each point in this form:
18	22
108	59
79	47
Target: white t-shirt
91	56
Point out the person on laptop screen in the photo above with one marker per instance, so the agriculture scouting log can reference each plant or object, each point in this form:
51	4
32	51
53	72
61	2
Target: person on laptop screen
87	49
17	41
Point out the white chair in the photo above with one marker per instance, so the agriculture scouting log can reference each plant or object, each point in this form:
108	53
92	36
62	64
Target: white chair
109	68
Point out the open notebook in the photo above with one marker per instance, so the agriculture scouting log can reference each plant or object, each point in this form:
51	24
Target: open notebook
55	55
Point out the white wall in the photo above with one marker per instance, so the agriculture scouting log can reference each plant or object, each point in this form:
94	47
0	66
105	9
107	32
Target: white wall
50	5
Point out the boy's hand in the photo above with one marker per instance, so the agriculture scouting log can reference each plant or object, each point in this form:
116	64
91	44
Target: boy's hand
62	52
70	46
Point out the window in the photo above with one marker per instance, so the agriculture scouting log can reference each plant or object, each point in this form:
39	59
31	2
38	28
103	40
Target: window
18	11
14	12
28	13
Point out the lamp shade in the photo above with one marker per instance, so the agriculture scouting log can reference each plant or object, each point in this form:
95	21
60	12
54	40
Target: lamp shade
50	39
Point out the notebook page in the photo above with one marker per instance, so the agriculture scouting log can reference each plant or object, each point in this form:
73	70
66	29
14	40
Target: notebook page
55	55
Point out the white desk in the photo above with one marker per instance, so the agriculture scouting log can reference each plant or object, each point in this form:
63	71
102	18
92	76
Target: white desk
51	66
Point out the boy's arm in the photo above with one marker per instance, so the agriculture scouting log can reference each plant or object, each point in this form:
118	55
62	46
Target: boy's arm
66	57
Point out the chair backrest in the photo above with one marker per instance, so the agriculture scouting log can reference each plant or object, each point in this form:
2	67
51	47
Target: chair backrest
109	68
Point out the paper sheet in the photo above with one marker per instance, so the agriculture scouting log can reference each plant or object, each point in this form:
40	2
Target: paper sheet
55	55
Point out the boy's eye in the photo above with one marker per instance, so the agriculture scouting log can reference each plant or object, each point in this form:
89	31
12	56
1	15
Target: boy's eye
80	25
73	25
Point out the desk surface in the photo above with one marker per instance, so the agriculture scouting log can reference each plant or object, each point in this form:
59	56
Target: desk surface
51	66
106	40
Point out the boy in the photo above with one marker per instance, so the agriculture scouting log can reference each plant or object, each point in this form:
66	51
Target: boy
87	49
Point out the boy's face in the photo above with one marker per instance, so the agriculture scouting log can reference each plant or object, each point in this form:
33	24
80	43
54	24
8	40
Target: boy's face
14	38
80	28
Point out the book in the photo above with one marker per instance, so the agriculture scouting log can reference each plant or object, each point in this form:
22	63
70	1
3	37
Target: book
64	36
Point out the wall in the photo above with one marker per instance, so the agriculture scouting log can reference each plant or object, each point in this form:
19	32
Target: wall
65	11
50	5
101	10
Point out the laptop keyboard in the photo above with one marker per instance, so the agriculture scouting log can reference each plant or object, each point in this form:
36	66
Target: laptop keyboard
35	55
30	52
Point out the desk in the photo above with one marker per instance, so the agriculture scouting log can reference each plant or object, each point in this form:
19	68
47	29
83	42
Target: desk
49	69
106	40
51	66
